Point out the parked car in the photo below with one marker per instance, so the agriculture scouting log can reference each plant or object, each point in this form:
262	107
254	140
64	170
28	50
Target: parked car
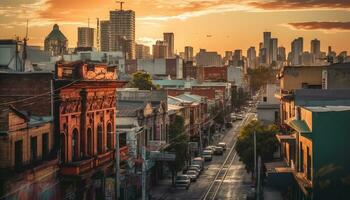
198	161
239	116
183	181
207	155
197	168
192	174
210	149
223	145
218	151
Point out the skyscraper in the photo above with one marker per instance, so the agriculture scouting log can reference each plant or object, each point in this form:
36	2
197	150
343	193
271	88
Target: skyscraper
273	49
160	49
266	45
315	47
251	57
188	53
122	32
297	51
169	39
85	37
281	55
142	51
104	35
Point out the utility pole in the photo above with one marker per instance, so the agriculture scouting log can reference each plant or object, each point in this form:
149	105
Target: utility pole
144	173
258	187
117	168
255	157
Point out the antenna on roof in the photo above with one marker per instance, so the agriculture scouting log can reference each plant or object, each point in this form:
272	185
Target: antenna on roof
88	22
121	4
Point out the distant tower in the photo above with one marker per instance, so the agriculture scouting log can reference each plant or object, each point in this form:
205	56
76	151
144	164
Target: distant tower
98	34
85	37
56	43
122	31
169	39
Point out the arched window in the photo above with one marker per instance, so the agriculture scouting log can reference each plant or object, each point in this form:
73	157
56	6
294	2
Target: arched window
109	136
75	149
89	142
63	147
99	139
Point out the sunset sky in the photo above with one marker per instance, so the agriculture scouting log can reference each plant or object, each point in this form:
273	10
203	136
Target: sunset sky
232	24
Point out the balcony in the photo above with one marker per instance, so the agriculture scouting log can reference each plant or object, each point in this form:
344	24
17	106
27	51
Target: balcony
77	168
104	158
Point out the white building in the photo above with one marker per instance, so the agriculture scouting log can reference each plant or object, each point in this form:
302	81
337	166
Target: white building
268	107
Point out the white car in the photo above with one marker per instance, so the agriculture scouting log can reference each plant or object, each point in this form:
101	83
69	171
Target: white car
183	181
207	155
192	174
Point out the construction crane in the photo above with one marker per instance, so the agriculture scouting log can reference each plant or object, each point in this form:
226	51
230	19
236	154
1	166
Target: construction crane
121	4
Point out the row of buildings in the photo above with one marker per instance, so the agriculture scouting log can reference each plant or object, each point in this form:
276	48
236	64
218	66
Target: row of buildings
69	134
311	106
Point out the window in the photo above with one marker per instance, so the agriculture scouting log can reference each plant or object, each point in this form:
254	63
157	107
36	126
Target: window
109	136
301	157
89	142
99	139
122	140
264	99
75	145
45	145
308	164
33	149
18	154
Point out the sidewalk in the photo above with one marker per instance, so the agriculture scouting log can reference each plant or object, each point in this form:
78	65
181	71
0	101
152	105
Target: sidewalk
158	191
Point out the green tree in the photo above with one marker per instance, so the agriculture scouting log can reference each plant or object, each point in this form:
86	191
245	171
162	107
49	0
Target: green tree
142	80
260	76
266	143
178	142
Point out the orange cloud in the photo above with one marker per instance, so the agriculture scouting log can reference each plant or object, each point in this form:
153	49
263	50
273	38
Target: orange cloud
321	25
301	4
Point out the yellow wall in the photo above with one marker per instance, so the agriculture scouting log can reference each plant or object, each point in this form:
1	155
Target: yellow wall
293	77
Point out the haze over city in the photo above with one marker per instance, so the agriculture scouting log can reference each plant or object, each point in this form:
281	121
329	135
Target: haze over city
216	25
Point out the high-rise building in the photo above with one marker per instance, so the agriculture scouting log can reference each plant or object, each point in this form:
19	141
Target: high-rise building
142	51
104	35
281	55
273	49
56	43
266	45
228	57
169	39
315	47
208	58
297	51
188	53
122	32
251	57
160	49
85	37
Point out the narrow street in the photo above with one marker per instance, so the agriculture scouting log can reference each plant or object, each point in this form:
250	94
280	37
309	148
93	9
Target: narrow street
236	184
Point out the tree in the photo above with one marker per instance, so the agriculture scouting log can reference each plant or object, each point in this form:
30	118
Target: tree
142	81
266	143
260	76
178	141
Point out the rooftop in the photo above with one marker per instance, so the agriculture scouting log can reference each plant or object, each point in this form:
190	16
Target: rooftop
327	108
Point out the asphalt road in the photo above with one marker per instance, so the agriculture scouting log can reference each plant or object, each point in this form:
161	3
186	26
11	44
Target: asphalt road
236	184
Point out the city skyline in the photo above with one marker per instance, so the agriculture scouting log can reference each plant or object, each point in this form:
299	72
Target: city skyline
218	24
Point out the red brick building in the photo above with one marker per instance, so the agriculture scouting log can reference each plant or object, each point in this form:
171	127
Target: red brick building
86	119
216	74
